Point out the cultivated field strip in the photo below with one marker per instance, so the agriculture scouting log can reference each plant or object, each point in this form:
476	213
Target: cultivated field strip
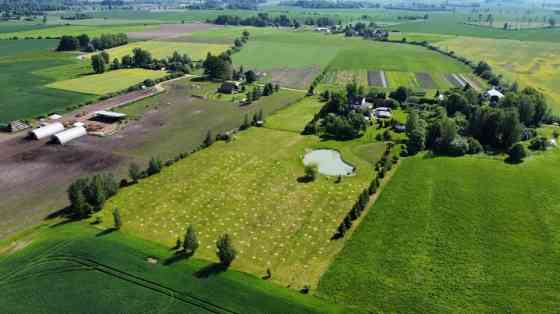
426	81
377	78
455	80
471	82
85	264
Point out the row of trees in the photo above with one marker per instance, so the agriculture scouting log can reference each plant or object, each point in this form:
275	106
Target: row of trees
88	195
84	43
263	20
225	250
141	58
220	67
383	166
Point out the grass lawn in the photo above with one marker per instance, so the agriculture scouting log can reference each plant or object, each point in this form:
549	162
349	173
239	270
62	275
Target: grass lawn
63	269
108	82
294	118
275	221
535	64
456	235
164	49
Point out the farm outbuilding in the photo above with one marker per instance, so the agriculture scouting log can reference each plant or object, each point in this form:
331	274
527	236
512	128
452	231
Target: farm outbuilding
229	87
47	130
108	116
70	134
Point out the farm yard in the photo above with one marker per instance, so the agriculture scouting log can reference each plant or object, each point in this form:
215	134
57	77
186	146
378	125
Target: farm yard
456	243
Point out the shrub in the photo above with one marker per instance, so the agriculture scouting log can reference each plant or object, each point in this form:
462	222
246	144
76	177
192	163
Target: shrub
517	152
474	146
311	172
154	166
538	143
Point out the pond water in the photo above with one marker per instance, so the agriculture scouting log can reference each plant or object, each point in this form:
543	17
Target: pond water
329	161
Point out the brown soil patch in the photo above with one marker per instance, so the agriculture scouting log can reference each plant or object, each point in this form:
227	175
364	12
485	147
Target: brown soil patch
166	31
293	78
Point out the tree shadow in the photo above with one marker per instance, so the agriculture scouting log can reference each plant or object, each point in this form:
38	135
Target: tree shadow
64	212
62	223
510	161
106	232
210	270
176	257
304	179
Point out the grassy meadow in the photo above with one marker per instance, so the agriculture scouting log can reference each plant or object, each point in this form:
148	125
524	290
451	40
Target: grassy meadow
535	64
108	82
72	30
64	268
456	235
276	222
164	49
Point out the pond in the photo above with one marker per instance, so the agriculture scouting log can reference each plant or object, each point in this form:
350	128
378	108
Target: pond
329	161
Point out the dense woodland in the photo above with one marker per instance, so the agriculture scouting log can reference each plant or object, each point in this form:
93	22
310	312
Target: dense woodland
87	44
263	20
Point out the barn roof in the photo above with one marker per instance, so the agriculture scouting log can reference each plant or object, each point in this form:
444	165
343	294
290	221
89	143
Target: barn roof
110	114
47	130
70	134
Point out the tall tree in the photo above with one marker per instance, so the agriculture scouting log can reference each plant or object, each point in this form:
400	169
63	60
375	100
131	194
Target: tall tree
117	219
190	244
226	252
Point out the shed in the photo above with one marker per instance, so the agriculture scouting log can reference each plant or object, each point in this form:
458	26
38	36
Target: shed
109	116
229	87
47	130
494	93
70	134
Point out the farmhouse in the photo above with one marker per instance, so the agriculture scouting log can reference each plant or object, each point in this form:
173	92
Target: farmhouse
493	94
47	130
70	134
229	87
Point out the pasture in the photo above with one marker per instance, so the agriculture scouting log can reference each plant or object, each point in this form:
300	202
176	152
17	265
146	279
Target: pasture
64	268
108	82
533	64
456	235
73	30
276	222
164	49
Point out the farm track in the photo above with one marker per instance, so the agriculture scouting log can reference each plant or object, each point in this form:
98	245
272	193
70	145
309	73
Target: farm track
87	264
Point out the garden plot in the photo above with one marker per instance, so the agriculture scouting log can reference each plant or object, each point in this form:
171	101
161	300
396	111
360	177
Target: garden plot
360	77
166	31
472	82
397	79
377	78
455	80
426	81
292	78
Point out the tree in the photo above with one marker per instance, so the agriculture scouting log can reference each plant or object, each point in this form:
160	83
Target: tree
191	241
400	94
517	152
250	76
116	64
84	41
117	218
68	43
209	140
76	195
218	67
141	58
134	172
416	132
311	171
98	64
552	22
226	252
154	166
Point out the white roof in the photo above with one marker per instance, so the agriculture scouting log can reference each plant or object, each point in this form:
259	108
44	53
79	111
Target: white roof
494	93
47	130
55	116
383	114
383	109
70	134
110	114
78	124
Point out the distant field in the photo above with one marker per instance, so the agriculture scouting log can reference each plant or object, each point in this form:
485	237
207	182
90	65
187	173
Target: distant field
26	66
164	49
73	30
17	26
67	268
529	63
472	235
276	222
108	82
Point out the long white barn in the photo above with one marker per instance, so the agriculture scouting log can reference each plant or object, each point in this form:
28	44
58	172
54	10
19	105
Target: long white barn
47	130
70	134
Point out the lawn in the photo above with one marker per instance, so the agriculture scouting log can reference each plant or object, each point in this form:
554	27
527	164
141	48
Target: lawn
108	82
535	64
25	68
456	235
276	222
164	49
63	269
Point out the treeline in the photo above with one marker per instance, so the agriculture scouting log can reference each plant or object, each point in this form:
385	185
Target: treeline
263	20
367	31
85	43
465	122
324	4
24	8
220	67
141	58
382	167
226	4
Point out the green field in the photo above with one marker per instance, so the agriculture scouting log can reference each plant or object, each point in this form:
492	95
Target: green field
276	222
25	68
108	82
73	30
164	49
456	235
535	64
65	268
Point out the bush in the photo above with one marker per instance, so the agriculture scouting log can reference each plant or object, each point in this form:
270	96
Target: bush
474	146
154	166
538	143
516	153
311	172
458	147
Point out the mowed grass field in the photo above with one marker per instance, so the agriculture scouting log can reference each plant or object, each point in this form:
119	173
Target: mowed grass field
26	66
276	222
457	235
64	269
535	64
164	49
108	82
